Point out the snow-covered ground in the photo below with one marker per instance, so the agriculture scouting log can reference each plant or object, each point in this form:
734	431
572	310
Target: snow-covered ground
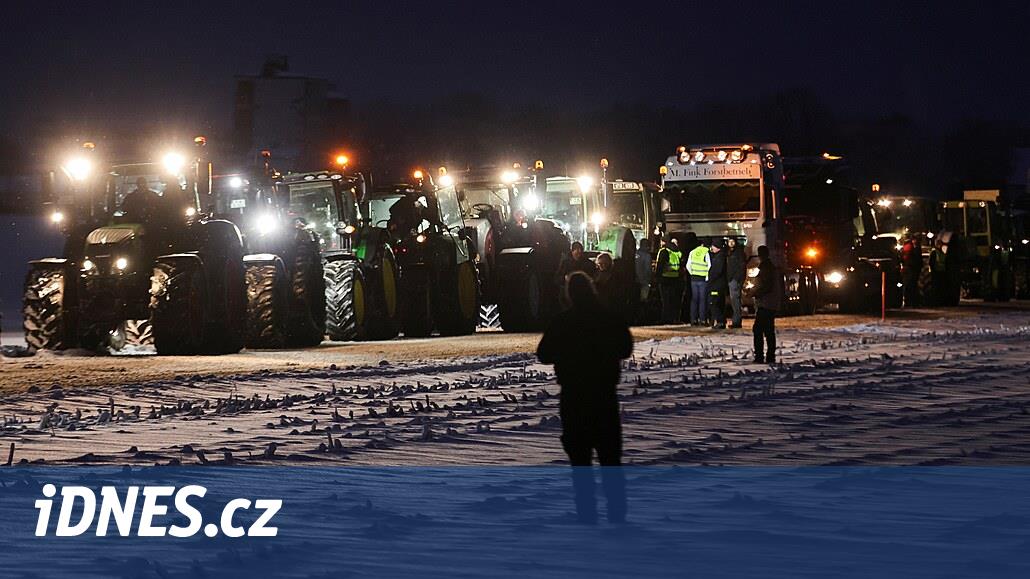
923	391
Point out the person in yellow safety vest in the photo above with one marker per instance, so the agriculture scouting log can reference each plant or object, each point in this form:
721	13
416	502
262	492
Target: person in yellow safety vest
669	270
698	265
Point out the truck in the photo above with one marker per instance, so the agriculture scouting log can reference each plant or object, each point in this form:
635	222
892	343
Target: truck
736	190
167	260
832	232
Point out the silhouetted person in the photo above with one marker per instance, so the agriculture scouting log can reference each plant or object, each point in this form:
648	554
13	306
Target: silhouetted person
911	269
586	344
576	261
768	294
606	281
642	265
669	271
717	285
736	267
142	204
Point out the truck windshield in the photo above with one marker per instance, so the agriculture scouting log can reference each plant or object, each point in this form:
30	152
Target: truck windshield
901	218
564	203
377	209
713	196
479	194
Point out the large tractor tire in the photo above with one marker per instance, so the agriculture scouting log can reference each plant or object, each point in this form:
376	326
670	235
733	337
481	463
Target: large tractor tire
130	334
49	293
345	300
457	311
383	319
226	330
267	305
522	308
308	310
179	307
416	304
489	316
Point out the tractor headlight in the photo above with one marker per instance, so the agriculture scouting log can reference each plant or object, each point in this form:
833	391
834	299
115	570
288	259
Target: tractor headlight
834	277
585	182
235	182
509	177
597	219
446	180
421	238
78	168
121	263
57	217
88	265
531	202
191	211
266	224
173	163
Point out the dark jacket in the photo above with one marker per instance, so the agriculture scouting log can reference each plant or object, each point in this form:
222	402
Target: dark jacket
717	280
735	264
569	265
586	344
768	290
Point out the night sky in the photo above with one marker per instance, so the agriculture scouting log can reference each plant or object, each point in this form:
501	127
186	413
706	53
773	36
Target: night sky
73	67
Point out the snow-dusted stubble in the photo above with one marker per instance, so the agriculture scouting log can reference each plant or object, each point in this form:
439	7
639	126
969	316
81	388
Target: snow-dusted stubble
120	511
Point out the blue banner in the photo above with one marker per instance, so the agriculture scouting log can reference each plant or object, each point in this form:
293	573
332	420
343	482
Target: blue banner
515	522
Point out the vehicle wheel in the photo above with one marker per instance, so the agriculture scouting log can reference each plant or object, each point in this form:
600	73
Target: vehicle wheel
416	304
47	320
521	310
267	305
489	316
345	300
130	334
227	333
459	307
178	307
383	320
308	304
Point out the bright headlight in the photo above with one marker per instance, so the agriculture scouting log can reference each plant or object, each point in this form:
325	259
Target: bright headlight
56	217
834	277
173	163
699	156
87	265
446	180
597	219
585	182
266	224
736	155
530	202
421	238
78	168
121	263
509	177
235	182
191	211
721	155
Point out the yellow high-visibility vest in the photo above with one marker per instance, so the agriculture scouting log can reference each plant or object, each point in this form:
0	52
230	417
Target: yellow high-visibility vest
697	262
672	269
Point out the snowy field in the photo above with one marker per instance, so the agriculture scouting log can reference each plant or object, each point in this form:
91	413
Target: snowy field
930	391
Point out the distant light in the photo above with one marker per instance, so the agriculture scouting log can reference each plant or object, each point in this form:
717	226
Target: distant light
191	211
721	155
78	168
812	253
530	202
342	160
835	277
884	202
421	238
699	156
876	187
585	182
1026	241
56	217
446	180
418	174
597	219
736	155
929	235
121	263
173	162
349	229
604	163
87	265
235	182
830	157
509	177
907	202
829	181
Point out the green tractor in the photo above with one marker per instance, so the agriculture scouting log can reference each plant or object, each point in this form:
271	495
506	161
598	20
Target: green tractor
438	286
361	274
138	247
978	232
286	297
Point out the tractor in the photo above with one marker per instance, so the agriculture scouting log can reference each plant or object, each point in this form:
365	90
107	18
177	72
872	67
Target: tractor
138	247
360	268
438	286
518	248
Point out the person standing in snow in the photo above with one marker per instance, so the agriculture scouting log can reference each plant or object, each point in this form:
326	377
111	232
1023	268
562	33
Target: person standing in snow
768	294
586	343
735	270
669	271
717	285
699	262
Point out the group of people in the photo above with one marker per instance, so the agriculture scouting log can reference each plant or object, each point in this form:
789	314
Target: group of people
705	278
612	286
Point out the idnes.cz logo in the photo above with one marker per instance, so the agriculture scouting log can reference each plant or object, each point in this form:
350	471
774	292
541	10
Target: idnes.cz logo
120	511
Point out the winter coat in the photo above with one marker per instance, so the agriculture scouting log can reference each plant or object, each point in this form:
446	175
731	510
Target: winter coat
735	264
768	290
